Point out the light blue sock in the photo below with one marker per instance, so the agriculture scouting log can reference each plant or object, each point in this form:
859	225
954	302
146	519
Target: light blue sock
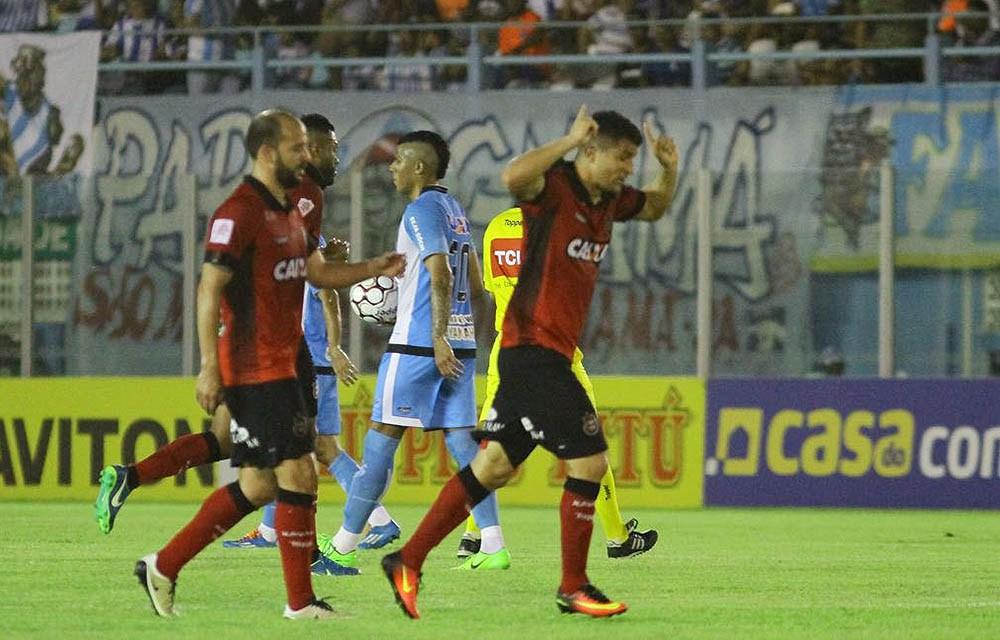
463	448
267	515
371	480
343	469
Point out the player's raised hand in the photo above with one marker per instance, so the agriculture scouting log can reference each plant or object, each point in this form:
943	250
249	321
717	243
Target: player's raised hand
444	357
584	127
342	365
663	148
208	389
389	264
336	250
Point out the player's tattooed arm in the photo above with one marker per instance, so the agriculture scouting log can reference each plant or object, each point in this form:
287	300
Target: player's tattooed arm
441	284
524	176
341	363
208	388
660	192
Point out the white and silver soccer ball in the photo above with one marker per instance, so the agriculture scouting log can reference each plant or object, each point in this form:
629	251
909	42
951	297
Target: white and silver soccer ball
374	300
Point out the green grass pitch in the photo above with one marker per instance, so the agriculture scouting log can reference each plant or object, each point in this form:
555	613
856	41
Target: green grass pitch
716	573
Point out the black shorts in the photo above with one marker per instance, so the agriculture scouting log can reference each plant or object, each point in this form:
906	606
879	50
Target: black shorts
540	402
269	423
306	374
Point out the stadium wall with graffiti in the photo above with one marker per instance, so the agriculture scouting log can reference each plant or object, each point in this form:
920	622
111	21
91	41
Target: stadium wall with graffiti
57	434
794	200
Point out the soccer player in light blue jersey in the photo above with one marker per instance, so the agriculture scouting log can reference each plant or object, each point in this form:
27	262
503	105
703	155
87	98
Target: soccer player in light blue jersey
426	377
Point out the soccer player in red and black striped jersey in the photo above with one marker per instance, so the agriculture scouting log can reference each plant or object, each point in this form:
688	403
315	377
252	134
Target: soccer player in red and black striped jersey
259	252
569	209
117	481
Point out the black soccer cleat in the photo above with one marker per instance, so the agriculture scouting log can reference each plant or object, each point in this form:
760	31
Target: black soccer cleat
637	541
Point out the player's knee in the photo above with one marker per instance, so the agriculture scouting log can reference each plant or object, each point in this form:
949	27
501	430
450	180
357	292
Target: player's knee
591	468
297	475
258	492
492	467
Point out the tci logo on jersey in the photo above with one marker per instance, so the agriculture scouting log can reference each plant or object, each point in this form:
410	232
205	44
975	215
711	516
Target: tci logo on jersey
586	250
290	269
505	257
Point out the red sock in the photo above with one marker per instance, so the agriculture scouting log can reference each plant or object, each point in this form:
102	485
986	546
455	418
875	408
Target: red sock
449	510
187	451
295	521
576	513
218	514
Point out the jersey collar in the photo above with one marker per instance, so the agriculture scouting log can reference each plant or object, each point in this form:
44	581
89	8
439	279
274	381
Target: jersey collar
265	195
434	187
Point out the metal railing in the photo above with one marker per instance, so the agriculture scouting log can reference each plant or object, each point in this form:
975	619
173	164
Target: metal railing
258	65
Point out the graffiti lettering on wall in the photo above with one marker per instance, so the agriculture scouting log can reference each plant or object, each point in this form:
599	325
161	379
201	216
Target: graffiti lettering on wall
646	297
945	154
145	192
143	196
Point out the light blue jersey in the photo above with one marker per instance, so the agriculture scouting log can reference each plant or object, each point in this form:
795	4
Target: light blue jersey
410	391
314	326
325	387
434	223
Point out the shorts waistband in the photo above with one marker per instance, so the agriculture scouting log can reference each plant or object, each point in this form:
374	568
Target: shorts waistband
410	350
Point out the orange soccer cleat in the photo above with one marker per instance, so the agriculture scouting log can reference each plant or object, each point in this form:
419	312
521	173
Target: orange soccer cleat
589	600
405	583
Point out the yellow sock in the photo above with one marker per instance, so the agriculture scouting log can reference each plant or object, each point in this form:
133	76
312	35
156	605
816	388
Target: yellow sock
470	526
607	509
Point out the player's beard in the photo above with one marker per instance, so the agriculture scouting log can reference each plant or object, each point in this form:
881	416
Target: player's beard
287	177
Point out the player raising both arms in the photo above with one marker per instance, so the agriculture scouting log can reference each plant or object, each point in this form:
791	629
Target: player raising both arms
259	252
501	265
568	209
425	379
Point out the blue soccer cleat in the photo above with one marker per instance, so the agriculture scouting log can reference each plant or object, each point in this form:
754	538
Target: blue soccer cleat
380	536
252	540
111	497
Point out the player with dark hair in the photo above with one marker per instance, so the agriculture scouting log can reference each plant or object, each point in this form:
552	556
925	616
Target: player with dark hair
568	210
260	249
501	266
118	481
324	361
426	376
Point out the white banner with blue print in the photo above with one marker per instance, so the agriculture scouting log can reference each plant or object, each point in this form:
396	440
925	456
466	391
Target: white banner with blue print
47	109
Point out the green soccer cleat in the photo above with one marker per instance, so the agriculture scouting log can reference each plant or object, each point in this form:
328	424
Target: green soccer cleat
111	497
325	544
498	560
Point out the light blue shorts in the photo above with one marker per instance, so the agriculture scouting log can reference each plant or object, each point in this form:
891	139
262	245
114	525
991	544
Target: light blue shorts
327	406
411	392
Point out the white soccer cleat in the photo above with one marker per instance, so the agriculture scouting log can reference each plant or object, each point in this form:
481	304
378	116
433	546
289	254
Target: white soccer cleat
317	610
159	587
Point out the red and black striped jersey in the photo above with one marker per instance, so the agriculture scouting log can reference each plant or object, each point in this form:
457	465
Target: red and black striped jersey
565	238
266	246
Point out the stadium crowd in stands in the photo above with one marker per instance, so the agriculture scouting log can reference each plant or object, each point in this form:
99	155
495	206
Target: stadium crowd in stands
136	31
